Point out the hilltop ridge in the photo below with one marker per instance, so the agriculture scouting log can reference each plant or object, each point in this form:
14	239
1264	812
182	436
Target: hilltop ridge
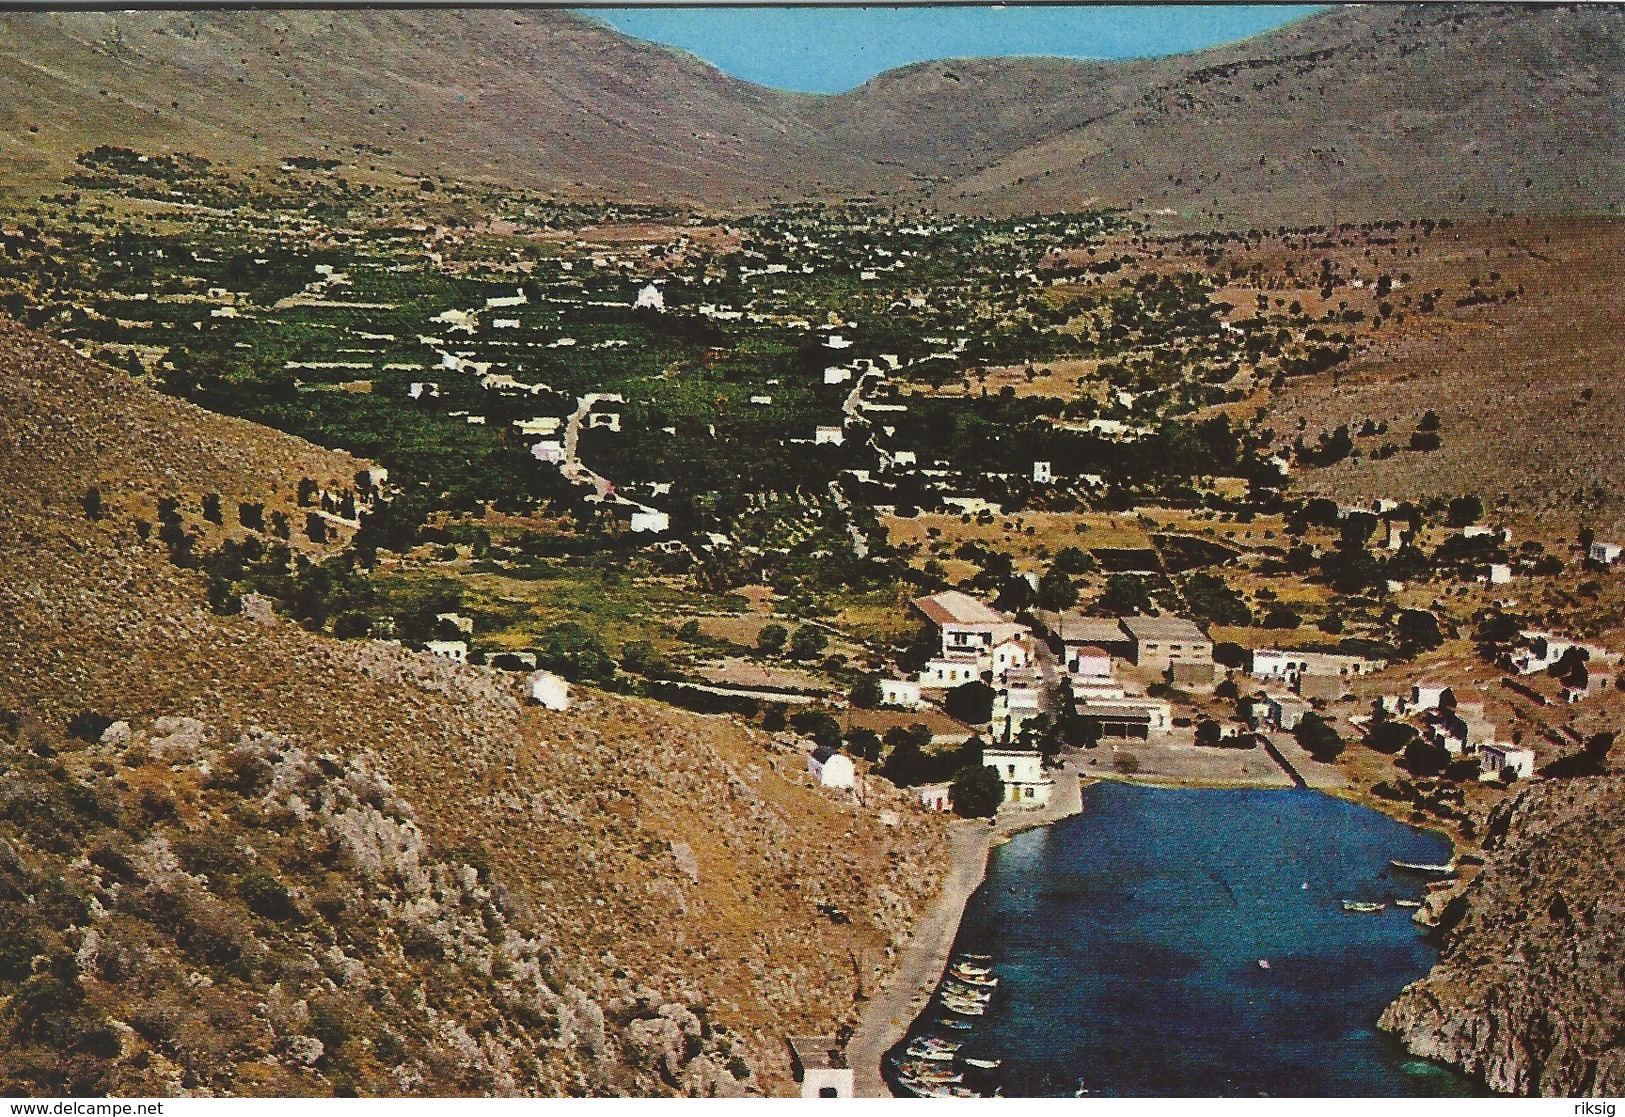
1356	112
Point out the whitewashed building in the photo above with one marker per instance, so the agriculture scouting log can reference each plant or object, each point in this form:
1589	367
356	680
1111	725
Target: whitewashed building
547	690
454	650
901	693
831	768
1022	773
650	520
1495	757
819	1063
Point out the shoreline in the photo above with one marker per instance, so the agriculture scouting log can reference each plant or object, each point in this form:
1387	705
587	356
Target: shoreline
885	1018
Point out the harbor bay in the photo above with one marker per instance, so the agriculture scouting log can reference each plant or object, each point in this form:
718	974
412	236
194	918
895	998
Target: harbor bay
1187	942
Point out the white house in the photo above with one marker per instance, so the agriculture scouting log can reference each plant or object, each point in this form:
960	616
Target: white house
1042	474
650	520
819	1063
1022	773
905	457
1011	654
833	769
549	451
462	624
1608	554
650	298
946	672
829	436
604	420
1494	757
542	424
836	375
1498	574
935	797
1430	696
965	626
902	693
547	690
421	388
762	401
1089	661
1286	710
455	650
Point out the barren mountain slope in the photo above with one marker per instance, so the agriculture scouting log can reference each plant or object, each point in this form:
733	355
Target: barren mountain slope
665	861
1355	113
533	98
1527	391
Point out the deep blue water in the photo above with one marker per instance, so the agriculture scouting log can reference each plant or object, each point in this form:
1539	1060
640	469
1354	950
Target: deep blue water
1127	942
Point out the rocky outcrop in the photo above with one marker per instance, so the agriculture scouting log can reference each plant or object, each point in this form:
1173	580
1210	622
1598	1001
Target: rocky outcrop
1526	995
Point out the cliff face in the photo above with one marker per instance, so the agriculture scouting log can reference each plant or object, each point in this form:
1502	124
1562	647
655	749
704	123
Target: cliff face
1527	992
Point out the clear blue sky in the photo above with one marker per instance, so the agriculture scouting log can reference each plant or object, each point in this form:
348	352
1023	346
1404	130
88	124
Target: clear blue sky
832	49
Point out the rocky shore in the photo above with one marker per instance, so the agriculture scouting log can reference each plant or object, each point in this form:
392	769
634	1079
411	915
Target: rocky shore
1526	993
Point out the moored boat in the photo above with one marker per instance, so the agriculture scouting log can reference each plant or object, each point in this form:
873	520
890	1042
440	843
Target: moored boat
984	1064
1420	867
1407	903
1362	906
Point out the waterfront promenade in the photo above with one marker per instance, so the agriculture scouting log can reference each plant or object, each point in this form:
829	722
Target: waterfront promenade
886	1017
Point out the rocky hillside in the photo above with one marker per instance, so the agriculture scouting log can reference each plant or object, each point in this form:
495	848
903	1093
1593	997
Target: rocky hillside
534	98
1356	113
1364	111
643	896
1526	994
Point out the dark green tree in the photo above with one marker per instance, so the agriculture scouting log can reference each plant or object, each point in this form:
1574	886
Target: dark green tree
1318	738
771	638
977	791
866	693
971	703
808	642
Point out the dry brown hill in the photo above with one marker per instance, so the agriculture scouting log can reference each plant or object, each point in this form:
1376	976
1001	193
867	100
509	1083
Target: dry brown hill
1354	112
1526	388
666	868
529	97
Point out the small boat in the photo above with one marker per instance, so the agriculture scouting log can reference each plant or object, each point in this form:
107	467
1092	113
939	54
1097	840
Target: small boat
972	969
975	957
956	1025
960	1008
1418	867
1407	903
927	1047
1081	1091
1361	906
979	981
985	1064
1263	963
